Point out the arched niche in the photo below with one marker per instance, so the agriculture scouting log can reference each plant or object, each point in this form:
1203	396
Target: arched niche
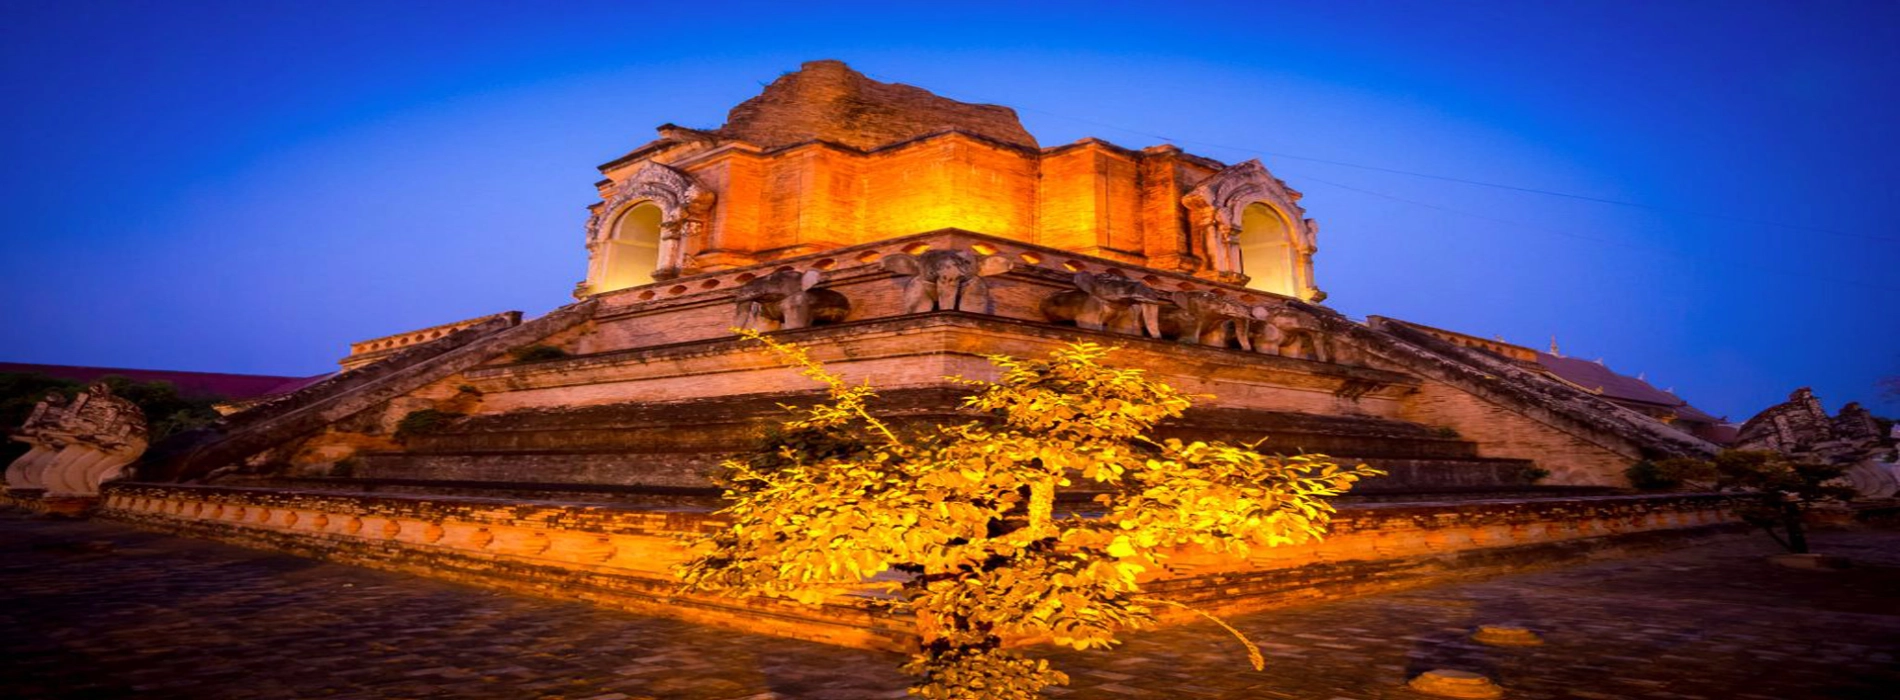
656	208
1254	231
632	253
1266	253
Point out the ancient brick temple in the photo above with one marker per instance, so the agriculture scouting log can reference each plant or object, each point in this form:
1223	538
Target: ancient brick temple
902	237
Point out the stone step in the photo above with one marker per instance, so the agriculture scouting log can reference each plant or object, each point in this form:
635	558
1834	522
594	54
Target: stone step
690	470
1474	493
547	467
196	453
644	444
724	424
1448	474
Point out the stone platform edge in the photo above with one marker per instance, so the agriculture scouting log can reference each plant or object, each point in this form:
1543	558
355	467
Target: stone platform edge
622	557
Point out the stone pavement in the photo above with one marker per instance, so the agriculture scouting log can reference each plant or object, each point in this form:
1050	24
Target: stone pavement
97	610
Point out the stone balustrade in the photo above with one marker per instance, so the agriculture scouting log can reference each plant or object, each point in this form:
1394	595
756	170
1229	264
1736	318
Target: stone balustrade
366	351
1378	547
607	555
623	557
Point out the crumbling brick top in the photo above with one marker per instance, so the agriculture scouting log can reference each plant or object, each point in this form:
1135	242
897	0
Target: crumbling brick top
828	101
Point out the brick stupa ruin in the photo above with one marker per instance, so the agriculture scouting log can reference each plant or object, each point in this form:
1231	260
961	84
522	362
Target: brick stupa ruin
901	237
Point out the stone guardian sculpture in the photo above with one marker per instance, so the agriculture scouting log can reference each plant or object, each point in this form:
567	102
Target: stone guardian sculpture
1104	302
76	444
1281	330
1206	318
946	280
787	299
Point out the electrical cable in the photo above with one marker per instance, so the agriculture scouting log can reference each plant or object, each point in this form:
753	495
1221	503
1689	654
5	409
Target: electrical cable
1479	183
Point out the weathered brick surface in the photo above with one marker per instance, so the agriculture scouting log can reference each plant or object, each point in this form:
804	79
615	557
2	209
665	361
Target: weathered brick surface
670	344
921	350
826	100
1504	431
827	157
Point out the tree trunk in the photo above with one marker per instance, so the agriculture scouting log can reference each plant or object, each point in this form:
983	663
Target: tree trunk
1797	532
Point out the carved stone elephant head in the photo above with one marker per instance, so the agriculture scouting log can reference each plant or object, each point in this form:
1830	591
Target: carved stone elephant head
946	280
787	299
1206	318
1105	302
1282	330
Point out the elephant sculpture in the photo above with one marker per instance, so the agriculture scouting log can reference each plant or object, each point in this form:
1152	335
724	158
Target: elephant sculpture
788	299
1206	318
948	280
1108	302
1282	330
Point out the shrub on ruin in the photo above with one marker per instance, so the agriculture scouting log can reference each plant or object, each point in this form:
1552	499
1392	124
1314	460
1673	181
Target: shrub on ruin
538	353
957	526
427	421
1670	473
166	411
345	468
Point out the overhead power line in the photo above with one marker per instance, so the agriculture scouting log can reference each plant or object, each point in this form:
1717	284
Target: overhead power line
1482	183
1593	239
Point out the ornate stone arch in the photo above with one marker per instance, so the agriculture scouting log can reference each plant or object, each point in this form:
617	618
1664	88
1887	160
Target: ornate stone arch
685	210
1217	206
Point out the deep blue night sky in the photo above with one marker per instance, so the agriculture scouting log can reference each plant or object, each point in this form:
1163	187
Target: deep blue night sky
248	186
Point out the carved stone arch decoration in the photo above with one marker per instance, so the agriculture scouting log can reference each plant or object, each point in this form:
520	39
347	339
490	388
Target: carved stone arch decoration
1217	208
685	210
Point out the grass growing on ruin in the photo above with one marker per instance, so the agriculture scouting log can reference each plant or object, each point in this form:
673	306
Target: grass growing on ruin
956	525
427	421
538	353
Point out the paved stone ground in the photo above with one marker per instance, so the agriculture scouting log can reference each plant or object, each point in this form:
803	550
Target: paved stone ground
97	610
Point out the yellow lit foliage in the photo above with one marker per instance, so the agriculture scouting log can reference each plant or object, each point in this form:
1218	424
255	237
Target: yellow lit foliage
957	525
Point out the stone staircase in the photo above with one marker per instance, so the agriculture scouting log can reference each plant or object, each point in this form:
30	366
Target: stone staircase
637	451
195	454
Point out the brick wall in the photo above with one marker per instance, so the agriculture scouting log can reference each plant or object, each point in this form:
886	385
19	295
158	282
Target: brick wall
1508	432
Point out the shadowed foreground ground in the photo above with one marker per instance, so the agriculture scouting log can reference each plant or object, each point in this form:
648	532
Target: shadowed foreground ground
97	610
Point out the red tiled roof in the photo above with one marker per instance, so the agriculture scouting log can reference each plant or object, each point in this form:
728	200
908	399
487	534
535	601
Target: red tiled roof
192	384
1596	377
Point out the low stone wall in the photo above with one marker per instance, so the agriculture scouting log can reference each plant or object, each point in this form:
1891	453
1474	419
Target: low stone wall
1375	547
622	557
608	555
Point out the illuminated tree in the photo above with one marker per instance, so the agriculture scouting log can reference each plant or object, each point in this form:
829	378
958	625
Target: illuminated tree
957	525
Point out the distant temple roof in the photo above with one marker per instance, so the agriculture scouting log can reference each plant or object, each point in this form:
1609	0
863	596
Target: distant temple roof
1601	379
192	384
1590	375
